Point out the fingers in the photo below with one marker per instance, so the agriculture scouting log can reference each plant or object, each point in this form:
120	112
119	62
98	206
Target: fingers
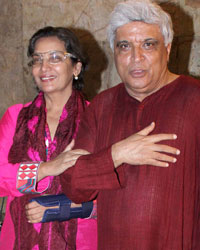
155	138
147	130
72	157
70	161
31	205
160	160
76	151
74	154
164	158
161	137
34	212
70	146
158	155
145	149
34	209
166	149
80	151
157	163
35	218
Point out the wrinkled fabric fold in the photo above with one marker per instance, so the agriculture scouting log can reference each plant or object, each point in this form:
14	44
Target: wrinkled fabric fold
154	208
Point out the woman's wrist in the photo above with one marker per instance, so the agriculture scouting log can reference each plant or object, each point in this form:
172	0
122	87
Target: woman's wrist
42	171
27	177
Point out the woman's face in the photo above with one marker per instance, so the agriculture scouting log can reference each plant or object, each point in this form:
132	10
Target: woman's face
56	77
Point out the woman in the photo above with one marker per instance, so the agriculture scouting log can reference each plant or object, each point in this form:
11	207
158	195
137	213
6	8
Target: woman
34	134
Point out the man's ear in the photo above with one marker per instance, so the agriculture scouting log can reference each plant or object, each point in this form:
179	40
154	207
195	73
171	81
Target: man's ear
169	46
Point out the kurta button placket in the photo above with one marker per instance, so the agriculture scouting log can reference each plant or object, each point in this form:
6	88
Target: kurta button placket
139	115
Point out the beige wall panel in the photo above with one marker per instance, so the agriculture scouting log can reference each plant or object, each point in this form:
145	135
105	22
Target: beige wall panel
20	19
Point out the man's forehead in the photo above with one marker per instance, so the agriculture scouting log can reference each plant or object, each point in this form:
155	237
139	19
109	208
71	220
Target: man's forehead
138	30
150	39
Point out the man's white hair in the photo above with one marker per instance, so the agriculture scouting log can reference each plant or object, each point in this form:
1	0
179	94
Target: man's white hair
140	10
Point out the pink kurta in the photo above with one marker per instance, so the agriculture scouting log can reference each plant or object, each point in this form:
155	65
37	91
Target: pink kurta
86	236
141	207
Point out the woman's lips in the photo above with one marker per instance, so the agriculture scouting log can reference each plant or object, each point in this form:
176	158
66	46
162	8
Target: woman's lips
47	78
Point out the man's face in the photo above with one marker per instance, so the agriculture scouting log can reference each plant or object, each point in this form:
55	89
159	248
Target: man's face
141	58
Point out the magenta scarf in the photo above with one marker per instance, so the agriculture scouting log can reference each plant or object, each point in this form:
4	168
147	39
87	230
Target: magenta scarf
29	145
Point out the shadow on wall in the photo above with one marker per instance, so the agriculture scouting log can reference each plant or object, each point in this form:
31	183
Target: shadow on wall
183	38
97	61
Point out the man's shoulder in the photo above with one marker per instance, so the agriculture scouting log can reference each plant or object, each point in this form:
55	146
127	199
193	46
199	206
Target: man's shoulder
189	82
106	99
188	89
110	93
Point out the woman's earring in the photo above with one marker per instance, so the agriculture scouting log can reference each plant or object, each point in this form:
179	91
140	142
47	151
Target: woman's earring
76	77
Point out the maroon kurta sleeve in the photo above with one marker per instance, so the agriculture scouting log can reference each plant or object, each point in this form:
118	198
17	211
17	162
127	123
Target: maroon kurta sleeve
142	207
95	171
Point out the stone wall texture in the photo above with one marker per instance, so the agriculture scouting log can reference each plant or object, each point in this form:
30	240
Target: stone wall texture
20	19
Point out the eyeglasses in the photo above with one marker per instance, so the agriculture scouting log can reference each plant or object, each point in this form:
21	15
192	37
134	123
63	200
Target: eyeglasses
52	57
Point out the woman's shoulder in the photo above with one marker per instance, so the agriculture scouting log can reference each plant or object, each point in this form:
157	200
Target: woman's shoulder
16	108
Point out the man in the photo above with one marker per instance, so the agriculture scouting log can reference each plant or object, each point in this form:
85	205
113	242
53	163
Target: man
141	207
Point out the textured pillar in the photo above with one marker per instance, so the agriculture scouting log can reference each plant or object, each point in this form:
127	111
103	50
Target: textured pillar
11	50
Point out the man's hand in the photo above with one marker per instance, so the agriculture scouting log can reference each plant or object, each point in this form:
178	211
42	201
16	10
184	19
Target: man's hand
141	149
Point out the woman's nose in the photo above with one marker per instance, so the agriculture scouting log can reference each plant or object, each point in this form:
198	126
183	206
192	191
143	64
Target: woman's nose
45	64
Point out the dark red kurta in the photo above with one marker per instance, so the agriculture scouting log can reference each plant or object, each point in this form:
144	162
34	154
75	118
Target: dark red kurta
142	207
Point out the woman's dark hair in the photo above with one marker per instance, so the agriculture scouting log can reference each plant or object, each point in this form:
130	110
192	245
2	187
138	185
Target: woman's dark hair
72	46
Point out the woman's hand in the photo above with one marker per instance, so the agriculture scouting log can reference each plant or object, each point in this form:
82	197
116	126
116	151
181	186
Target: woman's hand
61	163
35	211
142	149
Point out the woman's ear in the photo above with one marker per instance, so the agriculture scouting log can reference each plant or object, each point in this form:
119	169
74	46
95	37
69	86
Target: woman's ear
77	68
